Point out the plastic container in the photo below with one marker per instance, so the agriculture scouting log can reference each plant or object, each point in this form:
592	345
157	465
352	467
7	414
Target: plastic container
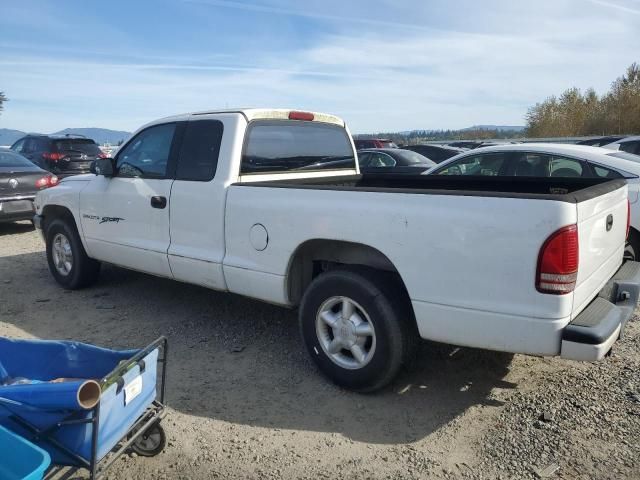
20	459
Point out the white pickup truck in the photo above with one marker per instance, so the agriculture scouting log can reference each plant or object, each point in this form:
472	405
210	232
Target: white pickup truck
270	204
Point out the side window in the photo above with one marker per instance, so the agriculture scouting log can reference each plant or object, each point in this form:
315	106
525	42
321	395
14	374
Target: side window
630	147
29	145
603	172
485	165
18	146
378	160
147	154
528	164
565	167
199	151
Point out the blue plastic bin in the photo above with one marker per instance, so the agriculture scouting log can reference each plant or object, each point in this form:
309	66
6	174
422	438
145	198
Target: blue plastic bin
19	459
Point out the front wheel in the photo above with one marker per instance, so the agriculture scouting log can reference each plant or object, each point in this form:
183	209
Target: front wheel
356	326
151	442
67	259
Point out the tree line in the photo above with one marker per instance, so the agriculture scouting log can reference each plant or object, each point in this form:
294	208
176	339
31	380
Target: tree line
577	113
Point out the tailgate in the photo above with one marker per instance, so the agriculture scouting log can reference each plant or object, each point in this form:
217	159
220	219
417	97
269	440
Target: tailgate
602	228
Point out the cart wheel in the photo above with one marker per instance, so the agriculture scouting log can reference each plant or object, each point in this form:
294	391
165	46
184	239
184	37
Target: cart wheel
151	442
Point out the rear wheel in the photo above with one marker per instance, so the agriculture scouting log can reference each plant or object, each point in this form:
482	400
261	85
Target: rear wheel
357	328
67	259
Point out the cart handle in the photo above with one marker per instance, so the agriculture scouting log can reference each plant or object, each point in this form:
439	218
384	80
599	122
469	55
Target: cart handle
137	359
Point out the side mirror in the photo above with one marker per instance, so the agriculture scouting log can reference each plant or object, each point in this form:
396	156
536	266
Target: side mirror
102	166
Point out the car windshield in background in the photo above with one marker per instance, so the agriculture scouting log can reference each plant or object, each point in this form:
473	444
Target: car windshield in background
413	158
276	146
77	145
625	156
10	159
389	145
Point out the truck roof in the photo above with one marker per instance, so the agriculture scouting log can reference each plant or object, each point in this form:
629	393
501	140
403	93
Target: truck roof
258	114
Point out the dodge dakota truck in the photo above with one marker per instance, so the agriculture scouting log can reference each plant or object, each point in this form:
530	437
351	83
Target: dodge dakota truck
270	204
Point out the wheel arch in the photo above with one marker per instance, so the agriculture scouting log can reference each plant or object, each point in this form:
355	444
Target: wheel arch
314	256
54	212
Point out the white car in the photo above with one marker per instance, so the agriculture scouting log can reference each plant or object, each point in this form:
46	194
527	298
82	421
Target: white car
627	144
269	204
555	160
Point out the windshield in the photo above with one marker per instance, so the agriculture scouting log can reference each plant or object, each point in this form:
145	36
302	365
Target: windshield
277	146
10	159
83	145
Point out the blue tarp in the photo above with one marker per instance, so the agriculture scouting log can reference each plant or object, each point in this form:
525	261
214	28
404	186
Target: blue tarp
45	404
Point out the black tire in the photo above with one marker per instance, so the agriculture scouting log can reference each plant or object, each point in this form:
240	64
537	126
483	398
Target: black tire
151	442
84	271
388	309
632	248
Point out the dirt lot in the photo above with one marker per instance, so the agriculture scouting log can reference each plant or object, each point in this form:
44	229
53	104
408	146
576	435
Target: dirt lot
247	403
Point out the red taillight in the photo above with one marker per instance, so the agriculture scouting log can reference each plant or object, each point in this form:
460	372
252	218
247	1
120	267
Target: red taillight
306	116
628	217
558	262
53	156
102	155
48	181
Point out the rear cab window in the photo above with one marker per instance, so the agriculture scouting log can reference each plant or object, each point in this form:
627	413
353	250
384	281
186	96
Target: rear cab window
279	146
81	145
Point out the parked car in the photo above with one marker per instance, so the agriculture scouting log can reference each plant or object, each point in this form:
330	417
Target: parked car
374	143
470	144
392	160
627	144
600	141
555	160
371	261
435	153
20	180
62	155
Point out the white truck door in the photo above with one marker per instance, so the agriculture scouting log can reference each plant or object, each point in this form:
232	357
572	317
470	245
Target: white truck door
125	218
198	203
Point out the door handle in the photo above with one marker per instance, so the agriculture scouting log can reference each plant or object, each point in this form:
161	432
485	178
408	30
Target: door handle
158	202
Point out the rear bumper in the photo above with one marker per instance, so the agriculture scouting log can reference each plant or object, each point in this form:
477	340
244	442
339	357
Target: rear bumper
591	335
9	212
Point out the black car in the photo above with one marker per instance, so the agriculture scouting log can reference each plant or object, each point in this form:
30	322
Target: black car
392	160
436	153
600	141
20	180
62	155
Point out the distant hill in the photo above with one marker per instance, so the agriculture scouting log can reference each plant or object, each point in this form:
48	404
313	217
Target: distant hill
498	128
8	136
100	135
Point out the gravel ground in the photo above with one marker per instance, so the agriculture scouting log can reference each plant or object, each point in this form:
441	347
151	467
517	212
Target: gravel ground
245	402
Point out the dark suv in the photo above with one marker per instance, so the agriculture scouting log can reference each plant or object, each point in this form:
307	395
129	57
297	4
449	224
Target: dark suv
62	155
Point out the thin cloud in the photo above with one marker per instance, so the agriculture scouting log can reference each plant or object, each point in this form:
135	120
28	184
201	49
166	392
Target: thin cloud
311	15
616	6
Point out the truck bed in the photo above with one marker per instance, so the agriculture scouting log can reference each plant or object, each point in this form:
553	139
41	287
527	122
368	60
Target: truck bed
572	190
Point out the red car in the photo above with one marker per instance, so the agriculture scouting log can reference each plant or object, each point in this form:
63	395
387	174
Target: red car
374	143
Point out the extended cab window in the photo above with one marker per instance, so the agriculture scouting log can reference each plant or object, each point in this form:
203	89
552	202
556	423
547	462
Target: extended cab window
147	154
199	151
279	146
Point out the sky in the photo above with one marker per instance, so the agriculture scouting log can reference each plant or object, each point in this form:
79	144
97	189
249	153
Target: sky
382	65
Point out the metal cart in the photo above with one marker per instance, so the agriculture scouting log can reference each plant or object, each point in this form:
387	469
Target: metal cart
126	417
